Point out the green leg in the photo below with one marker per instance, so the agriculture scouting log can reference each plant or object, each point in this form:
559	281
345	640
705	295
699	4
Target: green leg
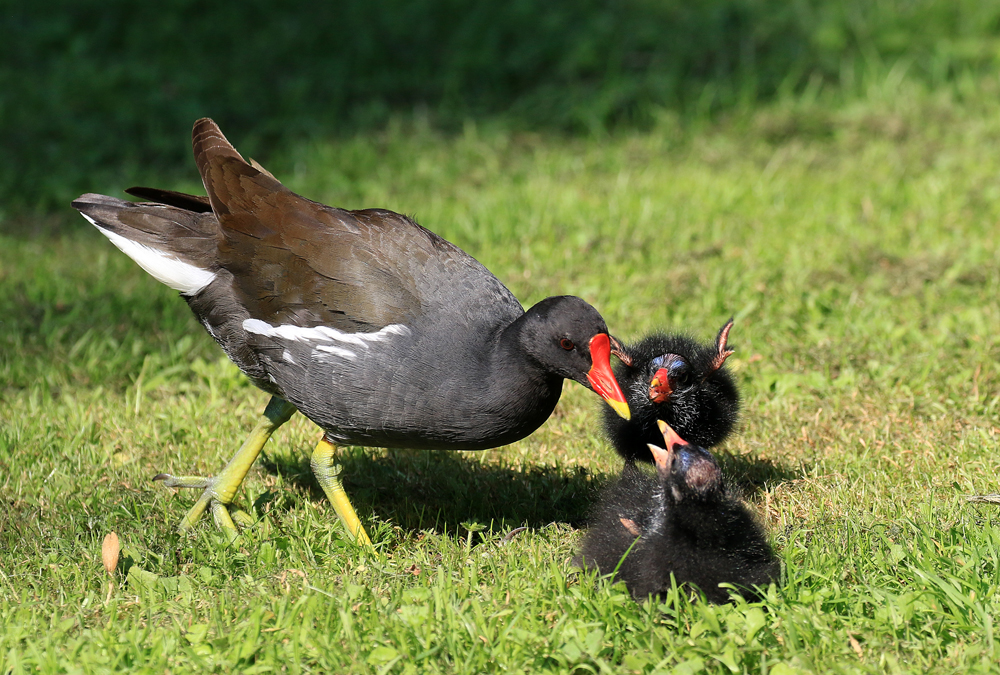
220	490
328	475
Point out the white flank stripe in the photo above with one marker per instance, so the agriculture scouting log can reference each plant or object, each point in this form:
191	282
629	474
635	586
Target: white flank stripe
168	270
336	351
323	333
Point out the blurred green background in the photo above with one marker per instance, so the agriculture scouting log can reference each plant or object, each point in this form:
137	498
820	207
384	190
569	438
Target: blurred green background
96	95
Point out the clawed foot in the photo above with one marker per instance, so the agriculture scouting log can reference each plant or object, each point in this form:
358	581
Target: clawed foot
219	491
215	496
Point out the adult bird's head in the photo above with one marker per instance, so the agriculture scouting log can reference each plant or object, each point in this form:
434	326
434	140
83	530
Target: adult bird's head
567	337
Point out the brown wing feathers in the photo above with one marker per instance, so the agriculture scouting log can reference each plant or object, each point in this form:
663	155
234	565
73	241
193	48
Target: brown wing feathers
293	260
233	185
296	258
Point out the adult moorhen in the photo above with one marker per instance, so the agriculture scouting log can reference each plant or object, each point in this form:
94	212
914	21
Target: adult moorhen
683	523
676	379
378	330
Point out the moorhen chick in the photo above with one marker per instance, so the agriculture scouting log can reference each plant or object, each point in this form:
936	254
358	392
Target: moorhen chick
676	379
375	328
684	522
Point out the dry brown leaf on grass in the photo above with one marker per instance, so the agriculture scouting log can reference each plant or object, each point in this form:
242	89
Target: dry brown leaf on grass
109	552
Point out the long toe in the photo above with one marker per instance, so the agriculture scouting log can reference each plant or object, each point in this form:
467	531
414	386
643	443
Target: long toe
992	499
217	495
242	518
183	481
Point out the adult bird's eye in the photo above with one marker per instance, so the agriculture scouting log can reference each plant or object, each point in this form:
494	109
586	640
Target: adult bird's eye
566	344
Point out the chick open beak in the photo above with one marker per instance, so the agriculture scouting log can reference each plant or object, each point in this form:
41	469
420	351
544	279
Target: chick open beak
670	437
664	457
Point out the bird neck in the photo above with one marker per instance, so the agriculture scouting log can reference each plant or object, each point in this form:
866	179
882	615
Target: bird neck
517	372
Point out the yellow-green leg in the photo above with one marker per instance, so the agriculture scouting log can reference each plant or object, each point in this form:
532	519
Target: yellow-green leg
328	475
220	490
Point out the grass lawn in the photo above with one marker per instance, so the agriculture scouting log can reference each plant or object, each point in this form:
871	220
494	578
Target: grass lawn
857	246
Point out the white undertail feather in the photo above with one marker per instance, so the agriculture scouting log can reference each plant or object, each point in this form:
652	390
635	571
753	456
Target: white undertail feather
165	268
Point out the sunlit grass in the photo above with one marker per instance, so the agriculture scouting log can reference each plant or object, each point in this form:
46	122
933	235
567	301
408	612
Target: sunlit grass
857	248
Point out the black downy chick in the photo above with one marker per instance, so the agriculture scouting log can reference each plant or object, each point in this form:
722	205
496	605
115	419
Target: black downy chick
676	379
682	522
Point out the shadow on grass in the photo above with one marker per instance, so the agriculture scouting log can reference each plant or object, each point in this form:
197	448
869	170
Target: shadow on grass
751	475
426	490
439	491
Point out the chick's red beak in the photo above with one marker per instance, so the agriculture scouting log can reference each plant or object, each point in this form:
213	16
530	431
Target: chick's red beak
600	377
664	457
659	386
670	437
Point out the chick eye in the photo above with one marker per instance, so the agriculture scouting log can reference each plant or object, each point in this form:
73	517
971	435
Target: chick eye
677	367
567	344
678	372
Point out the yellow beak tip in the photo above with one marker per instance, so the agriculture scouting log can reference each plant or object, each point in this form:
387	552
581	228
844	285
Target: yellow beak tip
621	407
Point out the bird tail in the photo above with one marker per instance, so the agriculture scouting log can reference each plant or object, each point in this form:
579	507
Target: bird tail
178	247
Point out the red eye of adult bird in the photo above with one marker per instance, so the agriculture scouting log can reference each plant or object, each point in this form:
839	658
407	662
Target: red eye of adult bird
567	344
601	379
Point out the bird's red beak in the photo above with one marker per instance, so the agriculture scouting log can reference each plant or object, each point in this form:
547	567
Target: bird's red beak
600	377
670	437
664	457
